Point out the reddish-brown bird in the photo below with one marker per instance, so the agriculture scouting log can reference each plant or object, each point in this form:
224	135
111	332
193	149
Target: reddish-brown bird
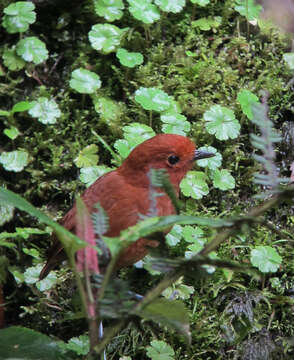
125	192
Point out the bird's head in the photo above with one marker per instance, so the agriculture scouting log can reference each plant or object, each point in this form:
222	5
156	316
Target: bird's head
175	153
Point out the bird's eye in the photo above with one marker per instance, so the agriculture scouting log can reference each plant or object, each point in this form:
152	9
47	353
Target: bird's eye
173	159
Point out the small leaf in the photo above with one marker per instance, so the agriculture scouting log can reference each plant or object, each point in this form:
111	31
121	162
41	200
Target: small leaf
6	213
207	24
22	106
173	6
144	11
200	2
221	122
80	345
11	132
110	10
169	313
174	236
129	59
18	16
84	81
87	157
109	110
105	37
246	98
90	174
31	275
265	258
46	110
160	350
14	160
213	162
174	123
153	99
12	60
32	49
248	8
223	180
289	58
194	185
47	283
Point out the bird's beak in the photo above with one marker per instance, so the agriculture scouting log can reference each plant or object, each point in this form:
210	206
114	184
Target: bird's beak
200	154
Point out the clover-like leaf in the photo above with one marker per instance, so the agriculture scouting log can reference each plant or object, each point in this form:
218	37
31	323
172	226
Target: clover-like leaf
32	49
129	59
221	122
289	58
18	16
248	8
12	60
153	99
173	6
134	135
109	9
160	350
80	345
194	185
246	99
207	24
200	2
105	37
14	160
11	132
84	81
223	180
109	110
213	162
174	123
144	11
90	174
265	258
46	110
87	156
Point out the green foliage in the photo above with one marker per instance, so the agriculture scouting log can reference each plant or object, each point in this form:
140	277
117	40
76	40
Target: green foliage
32	49
223	180
248	8
211	163
6	213
110	10
160	350
195	185
45	110
200	2
11	132
206	24
12	60
87	157
246	99
105	37
18	16
265	258
80	345
144	11
289	59
84	81
153	99
221	122
173	6
129	59
15	160
90	174
174	123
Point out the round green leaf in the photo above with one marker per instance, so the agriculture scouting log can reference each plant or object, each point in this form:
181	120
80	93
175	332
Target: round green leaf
265	258
90	174
87	157
246	98
45	110
248	8
84	81
153	99
109	110
105	37
223	180
144	11
12	61
32	49
200	2
14	160
173	6
11	132
213	162
110	10
221	122
129	59
160	350
194	185
18	16
6	213
289	58
174	123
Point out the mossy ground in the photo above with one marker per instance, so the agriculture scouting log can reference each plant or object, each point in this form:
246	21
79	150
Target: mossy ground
226	59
